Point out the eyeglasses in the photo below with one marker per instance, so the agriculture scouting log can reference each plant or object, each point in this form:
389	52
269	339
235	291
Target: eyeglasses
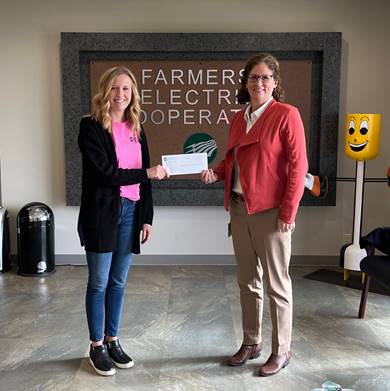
264	78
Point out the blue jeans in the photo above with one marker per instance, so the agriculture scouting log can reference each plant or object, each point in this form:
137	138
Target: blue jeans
107	278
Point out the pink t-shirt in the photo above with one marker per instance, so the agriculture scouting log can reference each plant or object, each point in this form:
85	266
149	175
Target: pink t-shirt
128	153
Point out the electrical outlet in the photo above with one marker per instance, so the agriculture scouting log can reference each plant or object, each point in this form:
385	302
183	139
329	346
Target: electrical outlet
347	238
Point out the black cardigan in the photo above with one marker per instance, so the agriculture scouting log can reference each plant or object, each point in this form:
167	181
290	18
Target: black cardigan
101	180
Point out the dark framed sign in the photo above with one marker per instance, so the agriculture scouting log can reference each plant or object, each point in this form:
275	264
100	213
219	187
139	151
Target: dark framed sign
188	84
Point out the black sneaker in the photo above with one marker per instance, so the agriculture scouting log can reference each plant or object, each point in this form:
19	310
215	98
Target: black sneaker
118	356
101	361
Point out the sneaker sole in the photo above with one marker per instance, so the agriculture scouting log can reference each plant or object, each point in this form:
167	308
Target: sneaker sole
102	373
123	366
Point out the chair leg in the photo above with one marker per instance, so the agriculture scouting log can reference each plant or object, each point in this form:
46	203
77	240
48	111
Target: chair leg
363	299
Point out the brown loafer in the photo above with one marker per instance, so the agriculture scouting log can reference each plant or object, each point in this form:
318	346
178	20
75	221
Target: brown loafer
274	364
245	353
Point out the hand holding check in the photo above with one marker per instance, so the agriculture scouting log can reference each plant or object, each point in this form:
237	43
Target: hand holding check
157	172
208	176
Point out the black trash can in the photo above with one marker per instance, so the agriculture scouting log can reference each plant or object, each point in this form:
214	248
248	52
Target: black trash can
5	261
35	228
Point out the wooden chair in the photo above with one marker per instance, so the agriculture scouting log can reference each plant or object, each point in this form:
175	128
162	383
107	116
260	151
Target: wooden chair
375	266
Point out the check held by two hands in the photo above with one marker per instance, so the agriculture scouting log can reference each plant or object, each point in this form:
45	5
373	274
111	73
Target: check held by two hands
181	164
191	163
186	163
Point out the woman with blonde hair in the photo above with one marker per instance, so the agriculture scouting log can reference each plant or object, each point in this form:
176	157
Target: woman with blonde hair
116	208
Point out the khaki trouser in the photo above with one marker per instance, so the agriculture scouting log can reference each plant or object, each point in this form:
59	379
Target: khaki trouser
260	249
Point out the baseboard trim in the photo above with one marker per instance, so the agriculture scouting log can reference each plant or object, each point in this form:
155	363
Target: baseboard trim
172	260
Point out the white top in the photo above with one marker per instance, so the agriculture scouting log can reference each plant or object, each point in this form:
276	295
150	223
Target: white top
250	119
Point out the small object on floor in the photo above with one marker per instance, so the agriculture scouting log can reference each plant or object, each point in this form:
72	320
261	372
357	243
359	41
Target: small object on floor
331	386
101	361
245	353
118	356
275	363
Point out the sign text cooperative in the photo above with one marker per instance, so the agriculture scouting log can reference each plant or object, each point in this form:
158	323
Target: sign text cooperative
184	96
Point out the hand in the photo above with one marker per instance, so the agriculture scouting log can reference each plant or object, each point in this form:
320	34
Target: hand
285	227
146	233
208	176
157	172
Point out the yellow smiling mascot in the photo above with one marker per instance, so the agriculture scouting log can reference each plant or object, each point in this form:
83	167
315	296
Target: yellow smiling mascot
362	137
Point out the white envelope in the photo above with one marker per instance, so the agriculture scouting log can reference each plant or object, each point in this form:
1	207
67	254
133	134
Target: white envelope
186	163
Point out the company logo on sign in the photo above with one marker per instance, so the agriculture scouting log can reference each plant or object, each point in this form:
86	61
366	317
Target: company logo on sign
201	142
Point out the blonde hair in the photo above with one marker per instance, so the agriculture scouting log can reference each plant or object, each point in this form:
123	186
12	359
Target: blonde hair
101	103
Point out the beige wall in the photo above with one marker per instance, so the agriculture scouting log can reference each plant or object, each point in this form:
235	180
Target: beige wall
31	142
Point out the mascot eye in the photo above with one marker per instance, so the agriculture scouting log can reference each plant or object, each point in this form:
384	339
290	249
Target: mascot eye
351	129
364	127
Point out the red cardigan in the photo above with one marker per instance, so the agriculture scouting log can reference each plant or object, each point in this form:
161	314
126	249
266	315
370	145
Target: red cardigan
272	160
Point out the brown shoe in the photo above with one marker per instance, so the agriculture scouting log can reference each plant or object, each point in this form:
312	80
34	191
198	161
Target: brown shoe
245	353
274	364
